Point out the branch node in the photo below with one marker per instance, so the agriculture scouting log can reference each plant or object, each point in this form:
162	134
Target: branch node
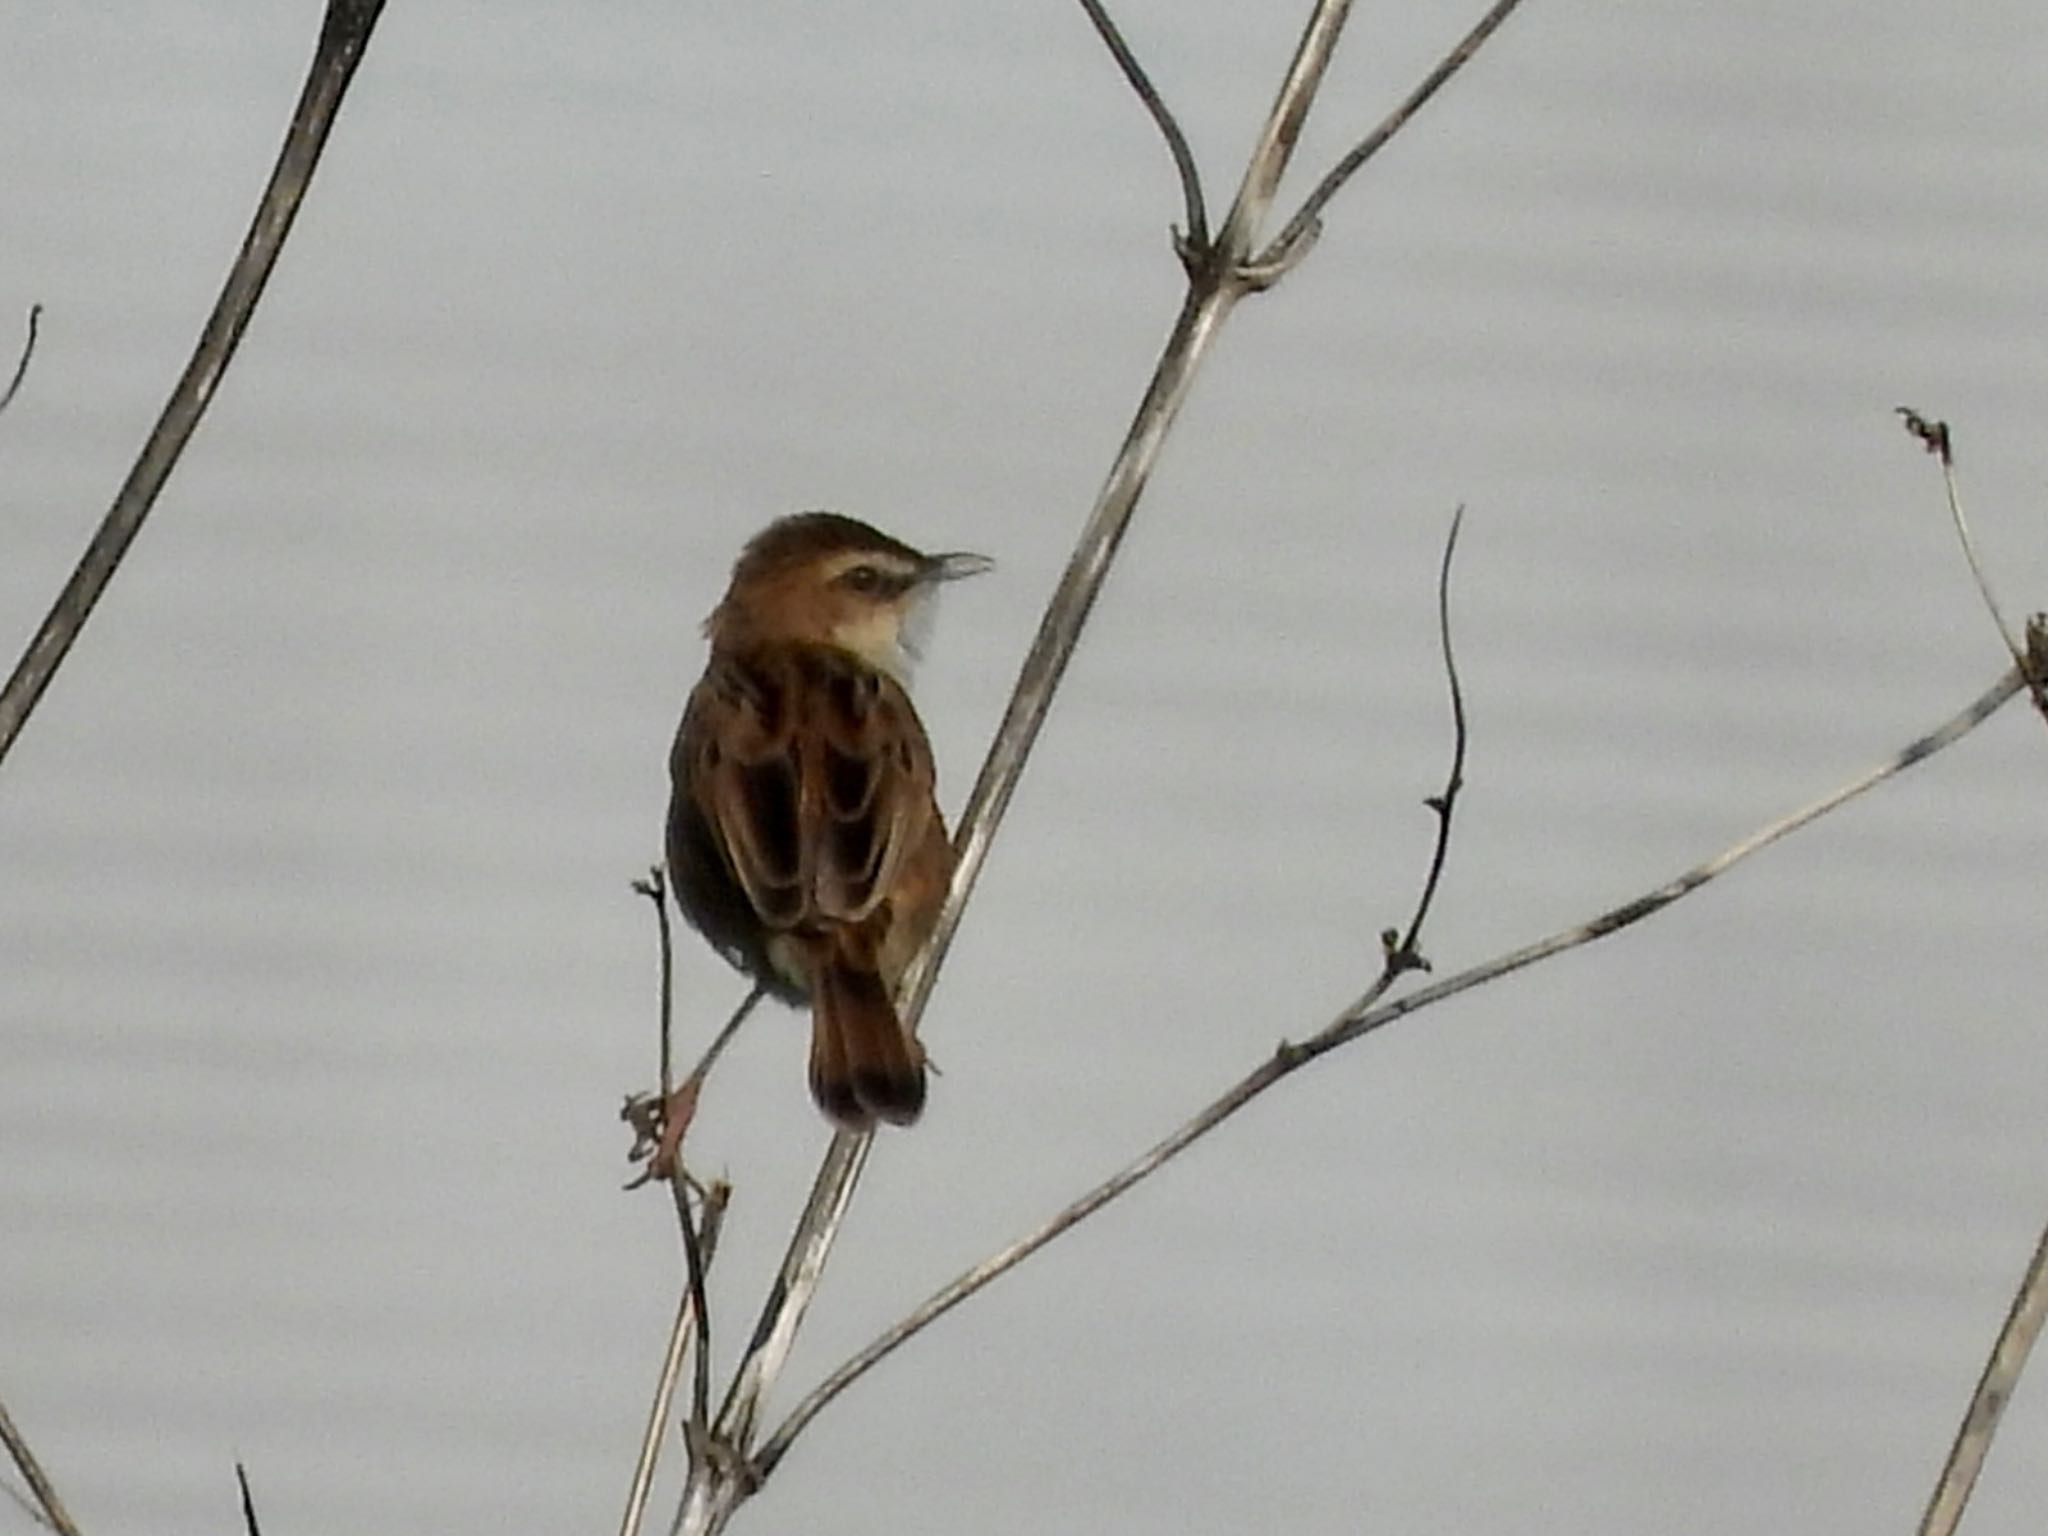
1279	258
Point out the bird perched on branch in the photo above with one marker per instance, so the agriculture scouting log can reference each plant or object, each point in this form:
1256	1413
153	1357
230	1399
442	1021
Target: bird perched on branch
804	840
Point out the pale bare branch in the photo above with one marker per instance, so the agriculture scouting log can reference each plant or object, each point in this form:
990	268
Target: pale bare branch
1987	1404
41	1489
1361	1018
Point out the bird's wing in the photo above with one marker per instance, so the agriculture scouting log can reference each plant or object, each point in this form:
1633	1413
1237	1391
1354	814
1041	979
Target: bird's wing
813	770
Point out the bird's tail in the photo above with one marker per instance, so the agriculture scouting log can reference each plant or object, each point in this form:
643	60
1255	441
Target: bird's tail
865	1066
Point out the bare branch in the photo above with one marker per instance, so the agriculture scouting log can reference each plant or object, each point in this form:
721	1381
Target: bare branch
1193	238
1214	287
1402	950
1312	210
28	350
1987	1403
1276	145
1361	1018
344	33
40	1487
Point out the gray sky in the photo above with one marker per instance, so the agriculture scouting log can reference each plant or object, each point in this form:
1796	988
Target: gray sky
320	981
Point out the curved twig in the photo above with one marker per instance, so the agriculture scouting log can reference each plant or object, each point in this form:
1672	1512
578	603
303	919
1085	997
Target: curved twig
1195	238
28	350
344	34
1300	227
1402	949
1935	438
1361	1018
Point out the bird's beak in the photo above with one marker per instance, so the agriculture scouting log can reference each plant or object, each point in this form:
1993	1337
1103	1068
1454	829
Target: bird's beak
953	566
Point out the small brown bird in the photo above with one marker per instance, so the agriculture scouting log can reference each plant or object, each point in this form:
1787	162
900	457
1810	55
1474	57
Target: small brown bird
804	840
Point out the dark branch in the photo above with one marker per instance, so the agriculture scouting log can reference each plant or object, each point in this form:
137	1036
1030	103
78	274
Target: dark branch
344	34
248	1502
1298	228
28	350
1403	953
1194	241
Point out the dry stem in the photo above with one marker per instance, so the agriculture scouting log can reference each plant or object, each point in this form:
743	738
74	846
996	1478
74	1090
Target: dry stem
1987	1404
1361	1018
50	1508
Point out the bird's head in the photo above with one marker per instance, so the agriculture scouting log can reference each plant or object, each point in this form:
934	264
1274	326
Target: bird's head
833	580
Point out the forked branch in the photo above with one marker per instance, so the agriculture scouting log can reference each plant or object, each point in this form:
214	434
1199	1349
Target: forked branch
1361	1018
1304	223
2029	1309
1216	281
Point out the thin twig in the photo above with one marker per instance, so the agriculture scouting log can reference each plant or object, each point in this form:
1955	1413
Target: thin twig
694	1262
1402	950
1195	237
1361	1018
344	33
1987	1403
1301	226
28	350
39	1485
248	1502
716	1197
1935	438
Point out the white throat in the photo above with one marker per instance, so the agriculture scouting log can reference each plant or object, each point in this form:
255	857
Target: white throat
877	638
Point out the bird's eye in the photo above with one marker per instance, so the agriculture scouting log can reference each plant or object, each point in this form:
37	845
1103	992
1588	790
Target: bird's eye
864	579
